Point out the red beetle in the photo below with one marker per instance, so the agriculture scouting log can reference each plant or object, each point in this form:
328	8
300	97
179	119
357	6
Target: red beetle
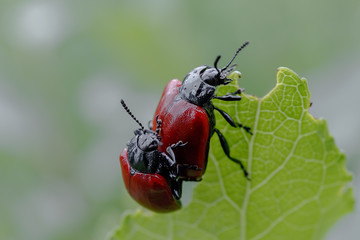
187	115
150	176
149	190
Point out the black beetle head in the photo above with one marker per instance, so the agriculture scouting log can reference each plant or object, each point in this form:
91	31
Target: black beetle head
147	140
198	86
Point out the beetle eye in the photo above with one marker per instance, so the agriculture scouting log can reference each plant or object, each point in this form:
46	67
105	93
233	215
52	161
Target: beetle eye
211	76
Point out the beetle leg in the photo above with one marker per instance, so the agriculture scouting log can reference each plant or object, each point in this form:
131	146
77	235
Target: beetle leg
176	188
170	148
246	128
228	97
227	117
225	147
178	144
231	96
175	183
172	155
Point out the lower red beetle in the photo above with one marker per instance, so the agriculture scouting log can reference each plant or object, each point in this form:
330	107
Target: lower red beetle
150	176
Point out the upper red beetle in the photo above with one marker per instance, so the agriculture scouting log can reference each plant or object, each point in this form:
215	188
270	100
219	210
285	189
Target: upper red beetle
187	115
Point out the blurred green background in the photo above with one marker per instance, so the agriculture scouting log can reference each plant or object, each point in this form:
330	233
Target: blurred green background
65	65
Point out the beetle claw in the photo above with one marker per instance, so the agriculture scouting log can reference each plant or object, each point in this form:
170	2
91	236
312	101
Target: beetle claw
176	188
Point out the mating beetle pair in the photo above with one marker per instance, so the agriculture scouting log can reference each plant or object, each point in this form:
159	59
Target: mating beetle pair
157	161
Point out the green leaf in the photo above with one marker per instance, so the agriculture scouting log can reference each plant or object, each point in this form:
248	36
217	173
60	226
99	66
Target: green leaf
299	185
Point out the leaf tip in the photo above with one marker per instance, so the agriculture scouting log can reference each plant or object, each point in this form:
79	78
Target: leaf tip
282	72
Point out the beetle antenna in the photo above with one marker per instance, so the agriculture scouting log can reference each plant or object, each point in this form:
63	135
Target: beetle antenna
130	113
236	53
216	62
